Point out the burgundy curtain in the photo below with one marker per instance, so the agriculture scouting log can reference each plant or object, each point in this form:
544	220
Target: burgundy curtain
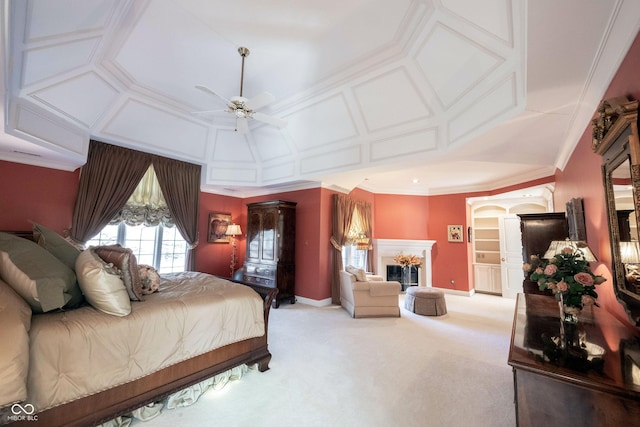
107	180
343	208
180	185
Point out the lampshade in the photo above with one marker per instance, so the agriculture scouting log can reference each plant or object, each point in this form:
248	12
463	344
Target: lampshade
556	247
233	230
630	252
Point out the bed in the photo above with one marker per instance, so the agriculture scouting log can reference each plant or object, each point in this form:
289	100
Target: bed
86	367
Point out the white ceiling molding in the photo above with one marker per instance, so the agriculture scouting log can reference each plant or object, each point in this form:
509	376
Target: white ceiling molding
375	93
374	96
83	98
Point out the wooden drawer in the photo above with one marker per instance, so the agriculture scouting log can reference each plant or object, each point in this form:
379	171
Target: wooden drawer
259	280
261	270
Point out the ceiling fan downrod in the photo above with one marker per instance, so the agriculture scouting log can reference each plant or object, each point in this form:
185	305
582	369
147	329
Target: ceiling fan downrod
244	52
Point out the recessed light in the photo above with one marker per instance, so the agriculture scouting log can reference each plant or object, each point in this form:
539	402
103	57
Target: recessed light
416	180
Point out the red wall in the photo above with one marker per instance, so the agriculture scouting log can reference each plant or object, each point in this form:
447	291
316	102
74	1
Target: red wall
400	217
31	193
394	216
573	181
450	260
215	258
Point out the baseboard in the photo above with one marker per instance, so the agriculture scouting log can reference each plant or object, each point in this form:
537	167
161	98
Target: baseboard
314	302
455	292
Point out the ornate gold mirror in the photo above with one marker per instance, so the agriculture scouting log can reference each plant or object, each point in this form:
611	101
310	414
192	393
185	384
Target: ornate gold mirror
615	137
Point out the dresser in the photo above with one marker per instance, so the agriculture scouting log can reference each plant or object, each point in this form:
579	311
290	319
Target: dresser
270	251
557	394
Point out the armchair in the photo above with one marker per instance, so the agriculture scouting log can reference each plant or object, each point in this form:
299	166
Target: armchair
373	297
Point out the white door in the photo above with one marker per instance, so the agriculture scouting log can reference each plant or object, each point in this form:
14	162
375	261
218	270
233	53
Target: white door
510	255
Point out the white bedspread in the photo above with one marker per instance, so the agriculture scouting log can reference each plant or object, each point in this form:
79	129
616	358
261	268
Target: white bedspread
83	351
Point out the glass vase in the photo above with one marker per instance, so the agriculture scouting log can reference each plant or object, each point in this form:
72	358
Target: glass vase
406	277
568	325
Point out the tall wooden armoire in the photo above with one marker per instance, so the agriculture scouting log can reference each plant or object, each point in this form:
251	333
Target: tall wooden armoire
270	253
538	230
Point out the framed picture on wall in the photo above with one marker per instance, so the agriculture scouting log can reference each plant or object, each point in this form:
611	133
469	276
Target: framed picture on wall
455	233
218	223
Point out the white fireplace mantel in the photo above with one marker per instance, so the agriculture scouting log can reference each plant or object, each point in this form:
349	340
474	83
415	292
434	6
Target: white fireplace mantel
385	248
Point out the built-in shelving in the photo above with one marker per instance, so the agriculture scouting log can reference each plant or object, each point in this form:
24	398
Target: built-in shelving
486	238
485	219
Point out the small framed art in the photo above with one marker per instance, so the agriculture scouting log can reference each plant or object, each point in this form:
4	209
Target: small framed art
455	233
218	223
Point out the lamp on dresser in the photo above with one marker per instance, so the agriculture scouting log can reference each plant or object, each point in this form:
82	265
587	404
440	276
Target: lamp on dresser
233	230
556	247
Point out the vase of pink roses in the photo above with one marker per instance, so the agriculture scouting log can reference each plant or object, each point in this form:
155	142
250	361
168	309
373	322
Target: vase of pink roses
568	276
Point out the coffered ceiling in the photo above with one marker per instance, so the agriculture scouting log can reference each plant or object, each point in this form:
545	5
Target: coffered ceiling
456	95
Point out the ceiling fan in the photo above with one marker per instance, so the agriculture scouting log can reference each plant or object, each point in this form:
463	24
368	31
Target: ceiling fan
242	108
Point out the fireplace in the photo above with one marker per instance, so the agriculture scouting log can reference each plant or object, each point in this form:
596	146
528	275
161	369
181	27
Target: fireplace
385	249
394	273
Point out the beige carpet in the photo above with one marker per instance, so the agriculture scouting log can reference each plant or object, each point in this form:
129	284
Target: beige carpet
331	370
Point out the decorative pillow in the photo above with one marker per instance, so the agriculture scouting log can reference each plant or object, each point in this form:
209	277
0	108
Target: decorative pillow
361	275
40	278
149	278
15	318
101	284
125	261
56	244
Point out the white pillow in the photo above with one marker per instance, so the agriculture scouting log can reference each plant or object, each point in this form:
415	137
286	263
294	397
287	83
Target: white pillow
361	275
101	284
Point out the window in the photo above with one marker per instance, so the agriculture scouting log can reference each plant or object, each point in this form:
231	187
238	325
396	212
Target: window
146	227
159	246
351	255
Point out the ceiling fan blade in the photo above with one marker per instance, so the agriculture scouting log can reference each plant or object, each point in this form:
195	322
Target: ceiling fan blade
210	92
259	101
275	121
241	125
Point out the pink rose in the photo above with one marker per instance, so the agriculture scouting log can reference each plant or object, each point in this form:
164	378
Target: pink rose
567	251
539	270
562	286
585	279
550	270
526	266
551	286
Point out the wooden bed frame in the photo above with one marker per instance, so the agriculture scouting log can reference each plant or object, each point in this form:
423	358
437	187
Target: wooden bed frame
108	404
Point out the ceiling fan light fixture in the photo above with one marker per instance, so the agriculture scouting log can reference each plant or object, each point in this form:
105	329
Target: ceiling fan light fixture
244	108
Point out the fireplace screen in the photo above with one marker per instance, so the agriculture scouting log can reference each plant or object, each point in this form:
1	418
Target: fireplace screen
394	273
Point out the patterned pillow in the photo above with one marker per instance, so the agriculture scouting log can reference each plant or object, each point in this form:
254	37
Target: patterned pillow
149	278
124	260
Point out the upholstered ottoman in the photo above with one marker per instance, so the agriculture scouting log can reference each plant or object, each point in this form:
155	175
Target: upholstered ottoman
425	301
